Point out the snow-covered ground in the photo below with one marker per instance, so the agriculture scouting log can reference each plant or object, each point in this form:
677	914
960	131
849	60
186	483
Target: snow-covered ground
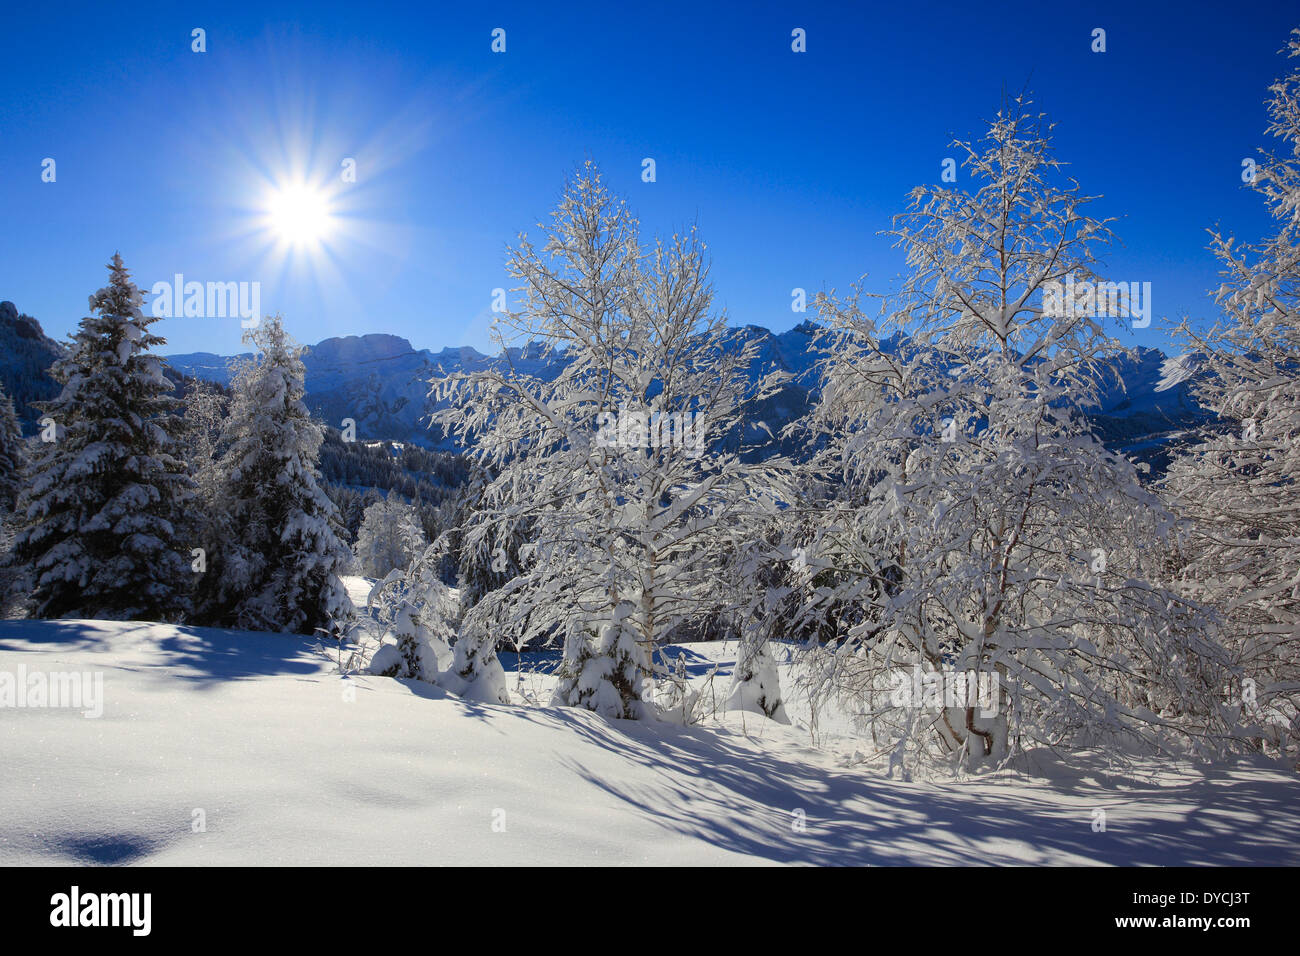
220	747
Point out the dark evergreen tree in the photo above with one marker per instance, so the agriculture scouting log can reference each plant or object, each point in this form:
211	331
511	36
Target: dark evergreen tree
276	562
13	454
103	512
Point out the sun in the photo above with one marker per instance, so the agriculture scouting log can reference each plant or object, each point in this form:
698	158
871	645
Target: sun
299	214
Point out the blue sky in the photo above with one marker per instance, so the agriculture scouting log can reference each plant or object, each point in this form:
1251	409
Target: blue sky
789	163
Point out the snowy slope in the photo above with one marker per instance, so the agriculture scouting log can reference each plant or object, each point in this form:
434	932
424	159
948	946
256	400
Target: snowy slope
258	733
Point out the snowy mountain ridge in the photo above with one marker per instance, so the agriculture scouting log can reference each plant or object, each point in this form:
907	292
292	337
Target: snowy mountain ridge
380	380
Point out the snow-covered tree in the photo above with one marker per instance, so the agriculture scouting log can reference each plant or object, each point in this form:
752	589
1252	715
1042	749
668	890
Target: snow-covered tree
1239	486
606	666
991	538
614	460
755	684
103	510
204	418
417	613
488	545
276	561
390	537
205	412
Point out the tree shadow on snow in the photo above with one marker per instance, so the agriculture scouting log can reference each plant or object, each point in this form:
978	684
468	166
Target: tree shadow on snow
201	654
762	804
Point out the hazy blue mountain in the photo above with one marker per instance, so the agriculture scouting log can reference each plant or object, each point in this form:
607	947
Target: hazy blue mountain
380	381
26	354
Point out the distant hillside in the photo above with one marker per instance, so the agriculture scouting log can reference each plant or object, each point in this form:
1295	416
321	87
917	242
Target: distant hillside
381	382
26	354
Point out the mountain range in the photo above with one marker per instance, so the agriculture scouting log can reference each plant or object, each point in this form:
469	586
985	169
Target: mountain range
380	381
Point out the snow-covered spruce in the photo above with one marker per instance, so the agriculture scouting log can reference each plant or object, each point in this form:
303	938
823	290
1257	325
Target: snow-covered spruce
276	557
991	534
476	672
627	464
755	686
1238	486
606	669
102	517
417	613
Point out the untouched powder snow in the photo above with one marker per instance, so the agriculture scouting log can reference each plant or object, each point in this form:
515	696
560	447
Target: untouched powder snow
257	738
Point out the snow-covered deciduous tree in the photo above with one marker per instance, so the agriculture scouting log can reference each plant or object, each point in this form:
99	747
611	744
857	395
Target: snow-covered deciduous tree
205	412
993	541
489	546
390	537
204	419
615	461
103	511
1239	485
276	562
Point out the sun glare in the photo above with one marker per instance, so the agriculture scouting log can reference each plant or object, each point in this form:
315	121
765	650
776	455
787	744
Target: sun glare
299	214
